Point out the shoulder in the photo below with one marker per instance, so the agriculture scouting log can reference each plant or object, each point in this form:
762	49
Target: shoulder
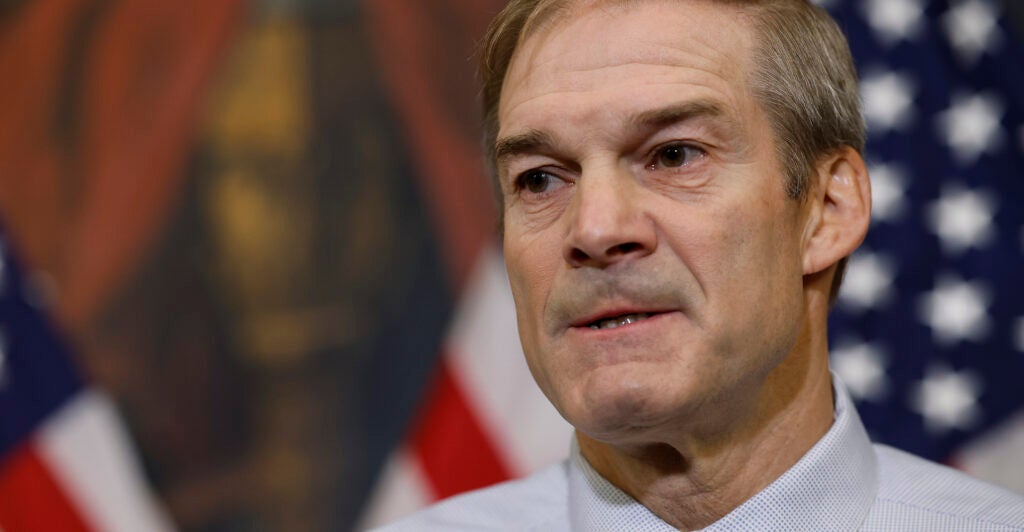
914	493
537	502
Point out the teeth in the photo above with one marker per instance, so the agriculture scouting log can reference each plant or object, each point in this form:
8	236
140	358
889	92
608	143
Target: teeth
619	321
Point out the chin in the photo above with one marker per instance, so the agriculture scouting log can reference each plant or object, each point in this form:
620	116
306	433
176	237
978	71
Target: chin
614	405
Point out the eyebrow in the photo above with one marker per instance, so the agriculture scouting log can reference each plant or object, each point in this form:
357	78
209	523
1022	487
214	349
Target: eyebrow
537	141
674	114
532	141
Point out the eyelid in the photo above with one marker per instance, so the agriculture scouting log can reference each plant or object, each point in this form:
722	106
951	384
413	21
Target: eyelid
516	167
519	179
652	156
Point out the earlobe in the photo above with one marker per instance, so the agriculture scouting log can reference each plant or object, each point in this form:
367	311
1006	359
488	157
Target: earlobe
838	221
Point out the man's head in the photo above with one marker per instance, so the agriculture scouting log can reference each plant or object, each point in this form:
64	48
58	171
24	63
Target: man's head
803	77
674	206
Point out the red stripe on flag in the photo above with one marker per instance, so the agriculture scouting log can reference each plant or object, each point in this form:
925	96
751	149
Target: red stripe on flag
449	443
31	498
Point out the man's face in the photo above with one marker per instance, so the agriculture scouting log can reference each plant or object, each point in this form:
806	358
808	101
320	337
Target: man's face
654	256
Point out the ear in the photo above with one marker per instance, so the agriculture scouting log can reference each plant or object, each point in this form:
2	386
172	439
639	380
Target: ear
839	210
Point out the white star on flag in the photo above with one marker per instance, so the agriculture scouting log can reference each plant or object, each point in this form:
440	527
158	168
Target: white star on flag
947	399
962	219
868	281
972	29
888	100
894	20
861	366
971	126
888	187
956	310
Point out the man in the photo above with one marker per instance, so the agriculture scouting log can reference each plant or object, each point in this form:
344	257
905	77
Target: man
681	183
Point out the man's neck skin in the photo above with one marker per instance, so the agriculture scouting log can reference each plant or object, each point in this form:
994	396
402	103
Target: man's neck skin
692	481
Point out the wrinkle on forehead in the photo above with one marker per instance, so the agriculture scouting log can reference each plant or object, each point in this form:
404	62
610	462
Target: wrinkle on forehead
550	20
547	57
552	12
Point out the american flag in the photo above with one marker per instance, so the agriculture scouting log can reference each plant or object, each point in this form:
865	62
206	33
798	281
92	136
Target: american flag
65	460
928	333
929	330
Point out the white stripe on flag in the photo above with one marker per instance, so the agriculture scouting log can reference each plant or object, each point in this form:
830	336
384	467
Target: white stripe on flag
89	454
400	491
487	361
997	456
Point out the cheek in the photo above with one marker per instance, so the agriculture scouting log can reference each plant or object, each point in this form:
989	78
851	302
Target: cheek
761	277
745	257
532	262
718	247
760	241
530	281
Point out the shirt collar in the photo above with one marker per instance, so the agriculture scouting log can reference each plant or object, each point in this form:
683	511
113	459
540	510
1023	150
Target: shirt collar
831	488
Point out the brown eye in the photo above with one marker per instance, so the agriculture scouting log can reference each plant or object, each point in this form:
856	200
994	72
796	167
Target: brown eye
536	181
676	155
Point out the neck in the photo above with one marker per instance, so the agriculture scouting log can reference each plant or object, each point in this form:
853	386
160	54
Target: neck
692	480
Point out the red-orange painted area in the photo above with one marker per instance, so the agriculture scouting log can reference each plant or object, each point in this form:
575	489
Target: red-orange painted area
85	203
448	162
33	56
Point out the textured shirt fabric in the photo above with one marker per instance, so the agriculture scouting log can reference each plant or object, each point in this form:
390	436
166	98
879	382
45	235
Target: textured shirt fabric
844	482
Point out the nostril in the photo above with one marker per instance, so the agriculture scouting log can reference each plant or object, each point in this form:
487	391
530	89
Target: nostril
624	248
578	256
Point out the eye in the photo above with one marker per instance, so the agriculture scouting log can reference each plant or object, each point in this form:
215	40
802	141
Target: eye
675	155
535	181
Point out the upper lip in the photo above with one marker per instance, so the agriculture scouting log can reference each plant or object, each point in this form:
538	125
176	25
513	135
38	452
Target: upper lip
612	312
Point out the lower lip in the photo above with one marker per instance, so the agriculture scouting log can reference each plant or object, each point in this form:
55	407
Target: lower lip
629	328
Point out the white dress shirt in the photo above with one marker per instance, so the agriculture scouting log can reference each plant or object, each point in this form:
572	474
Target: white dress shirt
844	482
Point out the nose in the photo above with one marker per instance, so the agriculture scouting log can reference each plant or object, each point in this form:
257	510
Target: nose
608	222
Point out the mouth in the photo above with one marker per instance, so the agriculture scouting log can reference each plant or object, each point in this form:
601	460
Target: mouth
615	322
614	319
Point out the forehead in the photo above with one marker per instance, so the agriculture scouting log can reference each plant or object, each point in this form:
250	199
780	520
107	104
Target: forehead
647	49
